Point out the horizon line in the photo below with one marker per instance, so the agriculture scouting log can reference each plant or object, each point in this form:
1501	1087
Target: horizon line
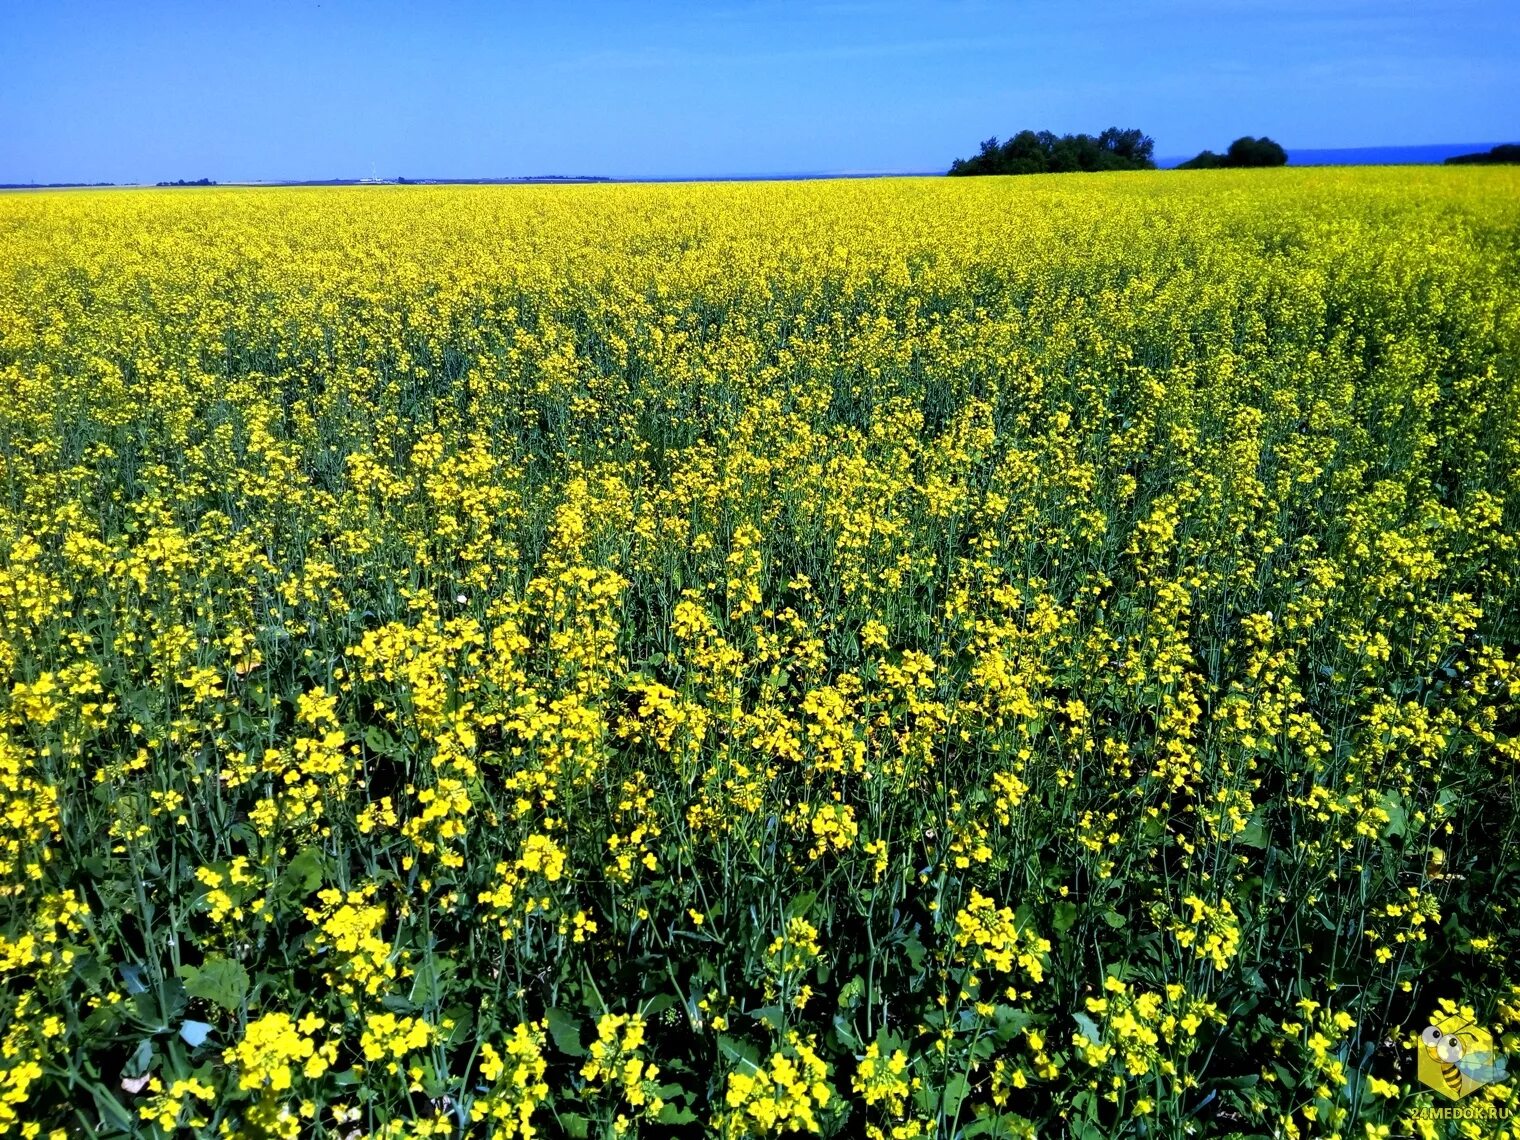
1161	161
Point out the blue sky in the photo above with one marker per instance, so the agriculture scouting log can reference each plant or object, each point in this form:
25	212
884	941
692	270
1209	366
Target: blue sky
142	90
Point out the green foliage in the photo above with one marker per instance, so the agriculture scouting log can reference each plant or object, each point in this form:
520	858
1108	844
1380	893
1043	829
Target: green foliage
1243	152
1030	152
217	980
1501	154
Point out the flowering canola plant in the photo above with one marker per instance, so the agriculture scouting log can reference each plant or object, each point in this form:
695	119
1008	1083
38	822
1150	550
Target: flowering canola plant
902	658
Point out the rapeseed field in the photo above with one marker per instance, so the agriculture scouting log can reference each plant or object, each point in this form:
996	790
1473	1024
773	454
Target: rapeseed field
904	658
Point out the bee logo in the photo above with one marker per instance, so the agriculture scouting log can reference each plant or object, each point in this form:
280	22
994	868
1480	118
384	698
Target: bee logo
1457	1056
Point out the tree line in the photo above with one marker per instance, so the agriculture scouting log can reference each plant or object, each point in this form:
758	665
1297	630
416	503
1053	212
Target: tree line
1244	151
1503	153
1044	152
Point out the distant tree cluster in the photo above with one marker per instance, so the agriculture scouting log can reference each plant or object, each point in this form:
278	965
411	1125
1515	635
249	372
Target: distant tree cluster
183	182
1042	152
1506	152
1244	151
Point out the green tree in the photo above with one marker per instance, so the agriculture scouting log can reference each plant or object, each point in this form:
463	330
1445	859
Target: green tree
1247	151
1204	160
1243	152
1031	152
1504	153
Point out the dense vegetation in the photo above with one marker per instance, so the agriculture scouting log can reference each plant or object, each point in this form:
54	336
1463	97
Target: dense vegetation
1242	153
1031	152
893	658
1504	153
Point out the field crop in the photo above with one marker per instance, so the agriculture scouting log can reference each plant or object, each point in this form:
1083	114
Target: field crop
921	658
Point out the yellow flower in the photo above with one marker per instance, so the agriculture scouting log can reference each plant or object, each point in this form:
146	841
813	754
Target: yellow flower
270	1047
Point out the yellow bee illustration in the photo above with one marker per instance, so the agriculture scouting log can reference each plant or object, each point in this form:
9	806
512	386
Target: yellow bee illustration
1458	1058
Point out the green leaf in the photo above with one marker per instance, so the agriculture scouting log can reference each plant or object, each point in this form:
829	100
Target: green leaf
1250	1080
576	1126
157	1011
303	874
1010	1022
739	1052
141	1060
218	980
107	1018
428	984
670	1114
947	1098
846	1033
1254	834
1001	1126
112	1113
915	951
1352	1089
658	1004
771	1016
1114	919
566	1032
380	742
1087	1027
463	1017
853	991
132	978
1065	917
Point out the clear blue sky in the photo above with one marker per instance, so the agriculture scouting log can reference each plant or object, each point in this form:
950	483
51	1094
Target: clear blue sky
140	90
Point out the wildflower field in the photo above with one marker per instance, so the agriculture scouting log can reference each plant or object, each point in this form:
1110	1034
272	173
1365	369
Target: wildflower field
909	658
